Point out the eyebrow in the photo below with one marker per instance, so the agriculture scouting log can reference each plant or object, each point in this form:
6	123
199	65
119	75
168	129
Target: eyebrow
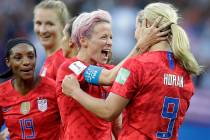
19	53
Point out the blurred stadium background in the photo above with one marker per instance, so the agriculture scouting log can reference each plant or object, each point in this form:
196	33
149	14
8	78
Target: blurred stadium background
16	19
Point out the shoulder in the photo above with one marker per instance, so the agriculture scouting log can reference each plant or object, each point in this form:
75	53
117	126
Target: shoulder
5	83
55	57
47	80
71	66
153	57
66	63
58	56
75	66
132	62
47	83
5	87
133	66
45	89
148	58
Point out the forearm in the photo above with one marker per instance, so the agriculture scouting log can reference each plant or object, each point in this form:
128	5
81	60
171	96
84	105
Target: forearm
146	38
107	109
97	106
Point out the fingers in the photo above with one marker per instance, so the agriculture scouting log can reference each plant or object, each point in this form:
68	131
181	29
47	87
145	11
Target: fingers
165	26
144	24
162	38
164	33
157	21
66	77
71	76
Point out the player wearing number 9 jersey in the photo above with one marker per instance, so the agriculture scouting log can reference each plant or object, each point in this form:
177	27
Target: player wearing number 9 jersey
159	92
154	88
28	103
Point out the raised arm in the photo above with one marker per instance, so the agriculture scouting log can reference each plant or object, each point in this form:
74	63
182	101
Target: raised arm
148	37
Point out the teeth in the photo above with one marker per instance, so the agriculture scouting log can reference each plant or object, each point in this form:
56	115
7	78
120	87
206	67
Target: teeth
45	36
105	52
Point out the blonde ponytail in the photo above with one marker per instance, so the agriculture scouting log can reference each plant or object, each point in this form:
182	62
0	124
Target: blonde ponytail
181	49
178	39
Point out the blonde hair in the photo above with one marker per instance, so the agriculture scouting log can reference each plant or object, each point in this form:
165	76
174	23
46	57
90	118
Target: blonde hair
57	5
178	38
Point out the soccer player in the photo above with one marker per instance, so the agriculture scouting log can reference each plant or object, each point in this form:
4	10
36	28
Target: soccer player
69	49
154	88
93	35
50	18
28	103
85	126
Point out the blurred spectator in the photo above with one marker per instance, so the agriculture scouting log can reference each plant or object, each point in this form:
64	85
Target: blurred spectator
123	23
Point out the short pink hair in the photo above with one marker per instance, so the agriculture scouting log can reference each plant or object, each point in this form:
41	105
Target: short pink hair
85	22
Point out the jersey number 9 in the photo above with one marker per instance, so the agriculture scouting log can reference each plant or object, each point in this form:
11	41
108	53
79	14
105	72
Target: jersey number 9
169	115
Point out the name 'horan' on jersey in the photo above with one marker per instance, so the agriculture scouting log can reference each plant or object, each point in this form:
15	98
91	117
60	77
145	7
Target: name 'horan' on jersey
173	80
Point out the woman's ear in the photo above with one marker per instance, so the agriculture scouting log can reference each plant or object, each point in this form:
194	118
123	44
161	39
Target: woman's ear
71	44
84	42
148	24
7	62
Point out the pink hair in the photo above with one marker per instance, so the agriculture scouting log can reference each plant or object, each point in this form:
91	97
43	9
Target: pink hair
85	22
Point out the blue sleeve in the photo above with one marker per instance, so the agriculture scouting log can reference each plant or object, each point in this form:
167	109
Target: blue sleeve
92	74
1	121
2	127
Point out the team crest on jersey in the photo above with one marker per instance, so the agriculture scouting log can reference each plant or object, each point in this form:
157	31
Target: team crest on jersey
77	67
122	76
42	104
25	107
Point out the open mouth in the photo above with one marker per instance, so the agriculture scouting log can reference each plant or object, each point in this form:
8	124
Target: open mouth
26	70
45	37
105	52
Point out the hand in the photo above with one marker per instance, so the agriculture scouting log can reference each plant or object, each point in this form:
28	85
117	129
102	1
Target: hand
1	137
4	134
149	36
70	84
